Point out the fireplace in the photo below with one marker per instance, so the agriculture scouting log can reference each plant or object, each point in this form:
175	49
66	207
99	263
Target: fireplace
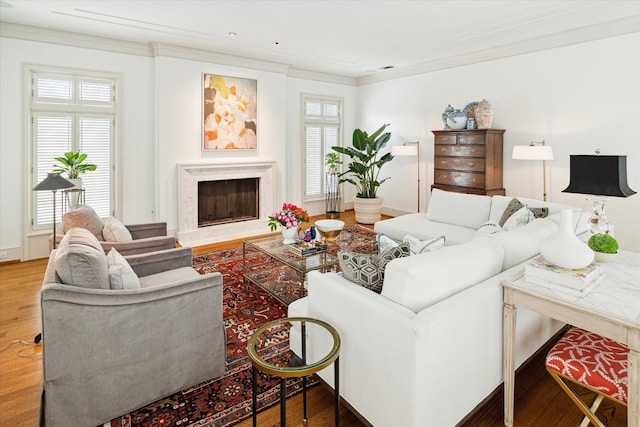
255	186
228	200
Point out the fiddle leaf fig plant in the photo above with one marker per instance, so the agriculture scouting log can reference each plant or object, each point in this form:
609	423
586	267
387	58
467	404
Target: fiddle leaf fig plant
365	165
73	164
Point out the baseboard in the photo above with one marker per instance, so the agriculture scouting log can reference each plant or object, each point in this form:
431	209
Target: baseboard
534	359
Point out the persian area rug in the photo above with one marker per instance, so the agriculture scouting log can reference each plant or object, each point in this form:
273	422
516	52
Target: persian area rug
226	400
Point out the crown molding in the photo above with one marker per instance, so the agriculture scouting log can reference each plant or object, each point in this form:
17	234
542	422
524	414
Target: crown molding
66	38
322	77
604	30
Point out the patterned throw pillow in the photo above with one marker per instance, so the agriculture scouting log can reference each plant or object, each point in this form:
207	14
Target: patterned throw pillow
515	206
368	270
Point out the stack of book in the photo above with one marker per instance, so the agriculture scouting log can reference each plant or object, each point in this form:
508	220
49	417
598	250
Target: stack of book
304	249
541	272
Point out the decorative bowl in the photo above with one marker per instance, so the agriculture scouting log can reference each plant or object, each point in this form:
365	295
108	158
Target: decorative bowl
457	120
329	229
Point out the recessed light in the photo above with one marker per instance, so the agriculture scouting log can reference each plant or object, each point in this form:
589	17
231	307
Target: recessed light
232	33
275	43
387	67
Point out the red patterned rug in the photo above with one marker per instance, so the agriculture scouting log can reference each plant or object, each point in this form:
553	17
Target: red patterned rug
226	400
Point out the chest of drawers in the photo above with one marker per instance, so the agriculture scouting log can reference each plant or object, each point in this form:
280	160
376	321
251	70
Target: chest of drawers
468	161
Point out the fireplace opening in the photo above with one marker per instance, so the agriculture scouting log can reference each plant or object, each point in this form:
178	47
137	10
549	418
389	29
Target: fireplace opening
228	200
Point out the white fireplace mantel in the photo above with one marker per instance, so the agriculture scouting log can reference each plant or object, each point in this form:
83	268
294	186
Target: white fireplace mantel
189	234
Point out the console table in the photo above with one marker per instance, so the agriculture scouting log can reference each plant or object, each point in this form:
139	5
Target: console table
611	309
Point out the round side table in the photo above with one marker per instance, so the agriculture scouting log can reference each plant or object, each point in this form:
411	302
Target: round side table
308	363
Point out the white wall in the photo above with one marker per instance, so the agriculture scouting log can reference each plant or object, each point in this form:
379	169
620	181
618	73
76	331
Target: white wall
137	191
576	98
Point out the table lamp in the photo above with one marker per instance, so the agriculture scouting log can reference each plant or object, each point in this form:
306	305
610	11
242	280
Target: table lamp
597	175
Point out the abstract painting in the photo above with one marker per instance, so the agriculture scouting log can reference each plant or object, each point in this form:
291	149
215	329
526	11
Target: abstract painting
229	109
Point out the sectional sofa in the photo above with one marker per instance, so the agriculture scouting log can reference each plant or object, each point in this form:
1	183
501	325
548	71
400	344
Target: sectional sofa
428	349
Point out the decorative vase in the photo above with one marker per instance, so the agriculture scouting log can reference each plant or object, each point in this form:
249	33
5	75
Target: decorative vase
74	196
445	114
565	249
457	120
289	234
484	115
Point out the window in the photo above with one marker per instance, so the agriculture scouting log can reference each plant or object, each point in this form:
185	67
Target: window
72	112
322	130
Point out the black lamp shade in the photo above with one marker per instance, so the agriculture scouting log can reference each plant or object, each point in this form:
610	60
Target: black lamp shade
53	181
598	176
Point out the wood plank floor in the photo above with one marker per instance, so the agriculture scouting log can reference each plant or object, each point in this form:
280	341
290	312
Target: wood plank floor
539	401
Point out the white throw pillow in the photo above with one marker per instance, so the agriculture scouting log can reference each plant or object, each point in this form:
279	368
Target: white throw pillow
418	246
488	228
80	260
115	231
121	275
522	216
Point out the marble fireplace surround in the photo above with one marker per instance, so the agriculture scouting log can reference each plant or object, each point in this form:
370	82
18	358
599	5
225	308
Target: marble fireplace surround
189	234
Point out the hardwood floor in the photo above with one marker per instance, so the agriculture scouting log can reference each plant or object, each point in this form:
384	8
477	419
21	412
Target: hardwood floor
539	401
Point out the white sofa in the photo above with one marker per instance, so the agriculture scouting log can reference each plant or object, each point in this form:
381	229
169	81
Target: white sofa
428	349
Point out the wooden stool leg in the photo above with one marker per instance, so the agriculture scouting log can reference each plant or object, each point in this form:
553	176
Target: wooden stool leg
579	403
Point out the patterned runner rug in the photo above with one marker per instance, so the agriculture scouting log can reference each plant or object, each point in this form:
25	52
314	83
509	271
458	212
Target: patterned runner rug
226	400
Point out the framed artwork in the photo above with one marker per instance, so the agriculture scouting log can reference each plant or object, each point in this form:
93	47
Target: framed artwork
229	113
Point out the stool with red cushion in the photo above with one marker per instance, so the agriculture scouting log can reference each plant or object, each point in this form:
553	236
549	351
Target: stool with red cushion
592	361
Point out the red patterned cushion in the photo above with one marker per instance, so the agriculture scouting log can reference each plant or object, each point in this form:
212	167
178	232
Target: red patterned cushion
593	360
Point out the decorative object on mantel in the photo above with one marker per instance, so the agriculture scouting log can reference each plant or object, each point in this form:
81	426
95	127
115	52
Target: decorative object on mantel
289	218
457	120
445	114
363	171
484	114
564	249
598	176
229	112
604	246
535	151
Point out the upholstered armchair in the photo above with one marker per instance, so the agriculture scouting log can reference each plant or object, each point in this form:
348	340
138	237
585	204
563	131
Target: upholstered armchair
127	239
119	333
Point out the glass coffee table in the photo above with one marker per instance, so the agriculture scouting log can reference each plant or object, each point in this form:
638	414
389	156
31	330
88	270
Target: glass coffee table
306	362
286	280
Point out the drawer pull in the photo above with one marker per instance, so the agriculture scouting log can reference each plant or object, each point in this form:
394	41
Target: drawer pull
456	161
443	176
455	174
443	150
443	162
471	139
457	148
473	150
473	180
471	164
444	138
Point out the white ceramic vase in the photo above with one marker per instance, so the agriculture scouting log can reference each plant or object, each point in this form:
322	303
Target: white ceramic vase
289	235
368	211
564	249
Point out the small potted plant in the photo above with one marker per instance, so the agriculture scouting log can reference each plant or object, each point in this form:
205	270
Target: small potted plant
604	246
73	164
333	162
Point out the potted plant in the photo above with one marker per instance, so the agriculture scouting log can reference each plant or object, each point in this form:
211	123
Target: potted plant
73	164
604	246
333	162
363	171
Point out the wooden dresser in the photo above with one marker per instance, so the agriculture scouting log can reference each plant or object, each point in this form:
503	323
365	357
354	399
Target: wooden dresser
468	161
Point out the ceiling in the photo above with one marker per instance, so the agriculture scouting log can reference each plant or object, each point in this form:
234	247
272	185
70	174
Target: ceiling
344	38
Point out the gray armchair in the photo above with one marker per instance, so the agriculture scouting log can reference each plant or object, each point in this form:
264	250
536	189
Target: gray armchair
109	351
133	239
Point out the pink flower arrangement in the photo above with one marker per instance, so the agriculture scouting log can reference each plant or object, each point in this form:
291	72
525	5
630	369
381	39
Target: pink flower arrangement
289	216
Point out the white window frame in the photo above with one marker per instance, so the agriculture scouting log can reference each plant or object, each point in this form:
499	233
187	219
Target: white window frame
76	109
321	121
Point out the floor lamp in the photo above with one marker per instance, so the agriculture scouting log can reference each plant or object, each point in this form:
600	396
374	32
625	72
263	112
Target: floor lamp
53	182
535	152
411	148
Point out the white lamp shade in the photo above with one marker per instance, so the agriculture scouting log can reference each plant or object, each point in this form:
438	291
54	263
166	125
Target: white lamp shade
532	152
404	150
